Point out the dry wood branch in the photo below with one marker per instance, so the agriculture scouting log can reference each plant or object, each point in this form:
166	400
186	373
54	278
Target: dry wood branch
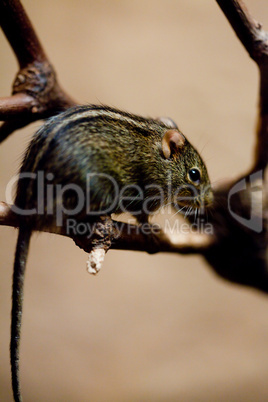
36	92
20	33
255	41
128	237
16	105
246	28
261	151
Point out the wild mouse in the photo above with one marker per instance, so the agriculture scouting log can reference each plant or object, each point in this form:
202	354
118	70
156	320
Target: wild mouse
94	160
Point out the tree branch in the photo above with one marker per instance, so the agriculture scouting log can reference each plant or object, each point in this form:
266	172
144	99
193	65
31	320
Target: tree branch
255	41
246	28
20	33
129	237
36	92
16	105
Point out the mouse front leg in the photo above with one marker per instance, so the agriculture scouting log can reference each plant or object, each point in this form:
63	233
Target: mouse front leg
96	242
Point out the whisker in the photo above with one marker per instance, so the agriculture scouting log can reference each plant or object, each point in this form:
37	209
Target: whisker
196	214
177	212
188	211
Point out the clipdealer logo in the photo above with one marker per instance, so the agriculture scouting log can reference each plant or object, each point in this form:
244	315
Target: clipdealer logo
253	186
255	189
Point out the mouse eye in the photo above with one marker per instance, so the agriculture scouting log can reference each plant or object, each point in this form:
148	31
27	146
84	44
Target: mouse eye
194	175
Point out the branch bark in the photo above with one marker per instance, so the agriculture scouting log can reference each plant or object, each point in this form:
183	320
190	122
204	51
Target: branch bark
129	237
255	41
20	33
36	93
248	30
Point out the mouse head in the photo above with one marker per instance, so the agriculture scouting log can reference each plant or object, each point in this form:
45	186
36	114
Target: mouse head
189	178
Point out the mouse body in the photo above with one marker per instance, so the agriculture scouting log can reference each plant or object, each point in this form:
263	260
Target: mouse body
95	160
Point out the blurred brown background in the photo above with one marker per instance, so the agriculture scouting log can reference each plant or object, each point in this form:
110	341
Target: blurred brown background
147	328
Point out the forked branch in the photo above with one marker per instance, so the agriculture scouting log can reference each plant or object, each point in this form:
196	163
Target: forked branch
36	93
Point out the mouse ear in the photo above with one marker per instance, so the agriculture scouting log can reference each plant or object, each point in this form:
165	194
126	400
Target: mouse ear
172	141
168	122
